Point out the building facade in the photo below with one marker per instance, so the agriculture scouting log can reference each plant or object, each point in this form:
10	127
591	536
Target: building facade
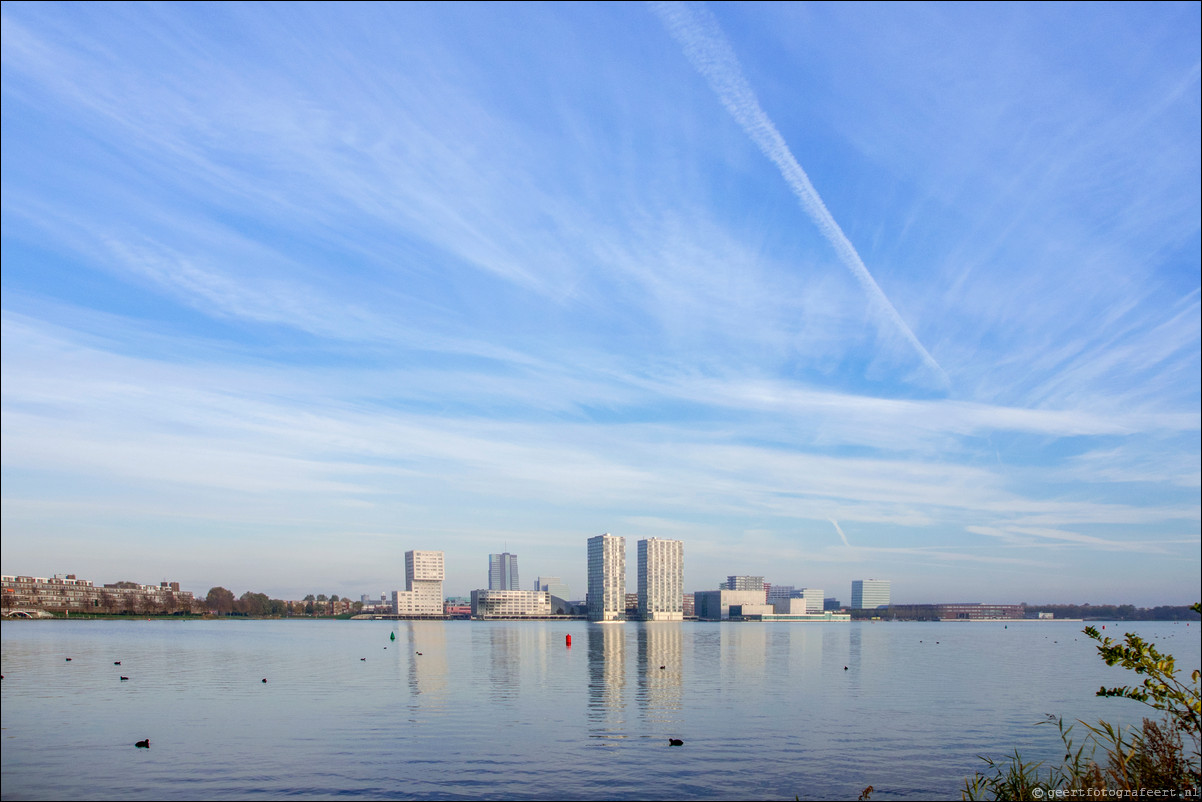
742	582
422	595
606	578
68	594
813	599
510	603
661	579
503	571
870	594
714	605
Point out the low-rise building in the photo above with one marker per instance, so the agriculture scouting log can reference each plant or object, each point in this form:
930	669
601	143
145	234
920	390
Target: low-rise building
66	593
510	604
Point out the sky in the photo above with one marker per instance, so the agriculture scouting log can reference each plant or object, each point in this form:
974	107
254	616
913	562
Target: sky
828	292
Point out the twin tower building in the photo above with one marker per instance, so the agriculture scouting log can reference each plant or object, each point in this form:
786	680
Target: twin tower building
661	579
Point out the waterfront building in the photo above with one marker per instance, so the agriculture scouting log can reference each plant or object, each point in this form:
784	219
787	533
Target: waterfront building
606	578
870	594
831	603
975	611
632	606
714	605
813	599
68	594
553	585
422	595
661	579
503	571
687	606
775	593
742	582
510	603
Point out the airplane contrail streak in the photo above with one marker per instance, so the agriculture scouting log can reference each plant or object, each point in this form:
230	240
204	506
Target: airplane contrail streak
839	529
708	50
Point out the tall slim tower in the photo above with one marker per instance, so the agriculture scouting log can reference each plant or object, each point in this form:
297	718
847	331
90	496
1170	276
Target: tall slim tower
661	580
606	578
503	571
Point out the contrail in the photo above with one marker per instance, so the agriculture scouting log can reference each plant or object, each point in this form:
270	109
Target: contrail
839	529
706	47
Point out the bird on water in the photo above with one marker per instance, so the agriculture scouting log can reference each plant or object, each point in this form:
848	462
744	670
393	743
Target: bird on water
123	679
675	742
143	744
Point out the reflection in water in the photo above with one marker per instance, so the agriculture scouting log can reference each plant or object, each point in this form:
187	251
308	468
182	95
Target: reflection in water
504	663
427	672
661	671
606	679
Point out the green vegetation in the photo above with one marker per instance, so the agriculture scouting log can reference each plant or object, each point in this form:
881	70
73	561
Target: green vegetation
1161	756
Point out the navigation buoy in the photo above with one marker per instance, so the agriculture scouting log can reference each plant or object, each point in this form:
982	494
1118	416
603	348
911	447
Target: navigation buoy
392	636
568	641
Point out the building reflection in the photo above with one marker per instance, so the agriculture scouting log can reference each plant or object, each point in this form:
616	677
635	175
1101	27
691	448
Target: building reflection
606	679
426	660
660	670
504	663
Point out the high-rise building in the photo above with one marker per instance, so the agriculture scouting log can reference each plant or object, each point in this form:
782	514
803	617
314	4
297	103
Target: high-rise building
606	578
503	572
869	594
423	585
661	579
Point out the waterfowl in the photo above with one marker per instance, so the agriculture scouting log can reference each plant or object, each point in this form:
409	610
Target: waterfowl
143	744
364	659
123	679
661	668
675	742
419	654
68	659
116	662
264	679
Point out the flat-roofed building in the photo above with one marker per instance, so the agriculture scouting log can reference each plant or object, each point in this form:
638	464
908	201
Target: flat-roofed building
503	571
714	605
607	578
813	599
661	579
870	594
422	595
510	603
743	582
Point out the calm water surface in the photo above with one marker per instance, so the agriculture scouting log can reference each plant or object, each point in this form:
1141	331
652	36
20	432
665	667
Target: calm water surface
505	710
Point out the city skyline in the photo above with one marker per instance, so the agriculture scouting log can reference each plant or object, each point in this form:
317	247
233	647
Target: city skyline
826	291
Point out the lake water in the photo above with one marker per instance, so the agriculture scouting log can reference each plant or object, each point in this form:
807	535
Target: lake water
505	710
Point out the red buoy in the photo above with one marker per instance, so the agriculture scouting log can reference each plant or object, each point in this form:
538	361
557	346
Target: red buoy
569	641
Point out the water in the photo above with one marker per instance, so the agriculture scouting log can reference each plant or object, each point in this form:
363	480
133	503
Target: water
505	710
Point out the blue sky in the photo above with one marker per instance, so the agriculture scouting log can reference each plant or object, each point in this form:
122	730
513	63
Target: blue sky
827	291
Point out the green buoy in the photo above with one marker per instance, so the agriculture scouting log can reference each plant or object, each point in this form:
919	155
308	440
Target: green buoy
392	636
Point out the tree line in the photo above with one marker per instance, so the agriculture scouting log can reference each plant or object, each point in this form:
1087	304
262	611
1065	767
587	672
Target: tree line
1117	612
223	602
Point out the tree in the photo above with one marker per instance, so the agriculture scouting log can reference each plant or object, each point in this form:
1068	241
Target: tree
220	600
